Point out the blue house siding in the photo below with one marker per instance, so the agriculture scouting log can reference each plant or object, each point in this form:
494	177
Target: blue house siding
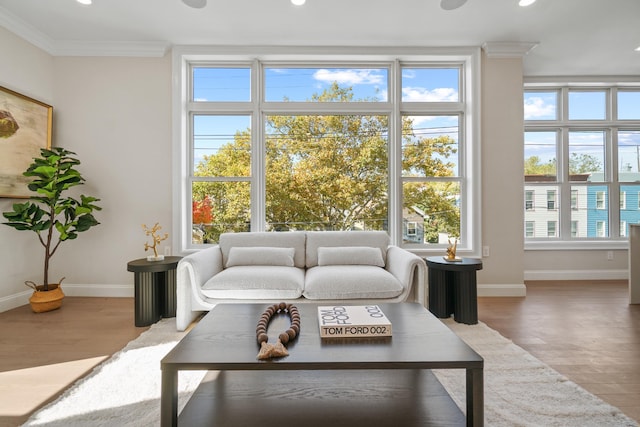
629	215
594	215
631	212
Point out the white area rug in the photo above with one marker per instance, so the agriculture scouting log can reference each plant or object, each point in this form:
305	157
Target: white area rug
519	389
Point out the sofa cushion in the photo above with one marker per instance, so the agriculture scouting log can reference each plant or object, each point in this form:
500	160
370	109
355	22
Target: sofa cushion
316	239
350	282
284	239
256	282
252	255
350	255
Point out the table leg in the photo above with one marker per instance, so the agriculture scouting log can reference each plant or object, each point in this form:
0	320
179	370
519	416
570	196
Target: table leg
169	398
465	298
169	294
440	296
475	398
147	310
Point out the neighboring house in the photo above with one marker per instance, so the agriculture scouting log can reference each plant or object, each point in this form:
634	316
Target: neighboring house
413	225
597	201
589	206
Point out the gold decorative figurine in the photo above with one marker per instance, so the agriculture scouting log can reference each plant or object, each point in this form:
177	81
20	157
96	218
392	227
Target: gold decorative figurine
451	250
156	239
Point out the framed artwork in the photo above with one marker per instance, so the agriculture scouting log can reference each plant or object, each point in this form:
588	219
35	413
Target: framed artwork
25	128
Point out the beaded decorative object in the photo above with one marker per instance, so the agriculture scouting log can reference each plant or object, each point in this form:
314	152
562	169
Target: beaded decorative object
268	351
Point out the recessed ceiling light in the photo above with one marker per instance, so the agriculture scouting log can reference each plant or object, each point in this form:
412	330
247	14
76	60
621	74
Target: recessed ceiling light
197	4
524	3
451	4
85	2
298	2
638	49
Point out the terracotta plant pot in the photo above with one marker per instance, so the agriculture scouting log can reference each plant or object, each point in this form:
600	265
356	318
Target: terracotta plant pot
42	301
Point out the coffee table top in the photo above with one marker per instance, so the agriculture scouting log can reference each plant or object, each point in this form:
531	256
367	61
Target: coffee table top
225	340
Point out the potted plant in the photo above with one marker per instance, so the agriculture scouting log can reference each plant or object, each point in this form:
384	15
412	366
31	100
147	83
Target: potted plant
54	217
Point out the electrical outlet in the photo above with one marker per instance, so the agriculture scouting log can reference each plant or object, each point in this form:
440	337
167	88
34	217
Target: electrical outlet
485	251
167	250
610	255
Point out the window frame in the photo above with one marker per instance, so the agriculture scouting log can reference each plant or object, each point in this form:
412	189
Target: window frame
468	59
611	126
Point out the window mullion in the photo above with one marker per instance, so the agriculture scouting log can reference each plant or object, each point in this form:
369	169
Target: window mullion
395	156
258	167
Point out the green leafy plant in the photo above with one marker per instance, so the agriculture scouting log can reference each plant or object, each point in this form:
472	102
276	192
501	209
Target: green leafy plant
53	217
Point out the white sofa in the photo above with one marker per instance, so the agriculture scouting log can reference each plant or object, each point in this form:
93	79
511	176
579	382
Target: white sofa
322	267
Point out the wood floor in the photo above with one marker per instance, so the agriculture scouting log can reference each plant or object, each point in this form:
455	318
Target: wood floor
586	331
42	354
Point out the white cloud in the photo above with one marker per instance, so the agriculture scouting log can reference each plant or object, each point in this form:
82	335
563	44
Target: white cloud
420	94
535	107
349	77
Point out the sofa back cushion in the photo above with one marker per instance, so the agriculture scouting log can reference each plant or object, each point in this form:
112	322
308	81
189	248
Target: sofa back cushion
260	255
350	255
254	240
326	239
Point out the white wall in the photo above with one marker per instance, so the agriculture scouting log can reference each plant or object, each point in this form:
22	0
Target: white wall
116	114
27	70
502	166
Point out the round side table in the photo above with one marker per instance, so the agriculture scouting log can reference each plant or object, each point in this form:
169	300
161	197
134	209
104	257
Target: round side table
155	289
453	288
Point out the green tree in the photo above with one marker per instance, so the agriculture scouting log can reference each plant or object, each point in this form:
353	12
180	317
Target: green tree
578	163
533	166
584	163
429	157
327	172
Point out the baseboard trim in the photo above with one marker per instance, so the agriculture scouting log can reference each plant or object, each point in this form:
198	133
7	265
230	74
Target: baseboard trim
14	301
113	291
576	274
502	290
72	290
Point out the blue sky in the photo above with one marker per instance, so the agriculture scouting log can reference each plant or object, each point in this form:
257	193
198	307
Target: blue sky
584	105
300	84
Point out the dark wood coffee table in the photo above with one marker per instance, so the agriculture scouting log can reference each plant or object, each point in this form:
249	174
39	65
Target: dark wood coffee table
369	380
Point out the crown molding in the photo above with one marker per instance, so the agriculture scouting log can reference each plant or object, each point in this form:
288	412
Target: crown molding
508	49
122	48
79	48
24	30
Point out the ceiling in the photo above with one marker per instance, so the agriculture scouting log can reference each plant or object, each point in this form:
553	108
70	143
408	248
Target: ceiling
572	37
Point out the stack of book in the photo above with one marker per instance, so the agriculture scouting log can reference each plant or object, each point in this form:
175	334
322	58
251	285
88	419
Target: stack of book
353	321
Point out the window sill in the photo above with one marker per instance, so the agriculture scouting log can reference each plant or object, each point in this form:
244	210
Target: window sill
577	245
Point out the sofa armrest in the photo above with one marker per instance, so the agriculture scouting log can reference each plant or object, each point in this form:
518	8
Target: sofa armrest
192	273
409	269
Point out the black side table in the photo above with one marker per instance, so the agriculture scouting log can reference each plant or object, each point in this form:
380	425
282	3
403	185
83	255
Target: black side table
155	289
453	288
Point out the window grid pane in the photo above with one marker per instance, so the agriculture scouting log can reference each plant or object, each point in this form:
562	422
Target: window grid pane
288	84
628	105
540	105
419	85
430	146
545	211
332	176
585	140
587	105
326	167
221	84
540	150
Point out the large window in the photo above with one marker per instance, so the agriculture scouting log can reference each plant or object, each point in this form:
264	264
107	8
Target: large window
306	143
582	142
